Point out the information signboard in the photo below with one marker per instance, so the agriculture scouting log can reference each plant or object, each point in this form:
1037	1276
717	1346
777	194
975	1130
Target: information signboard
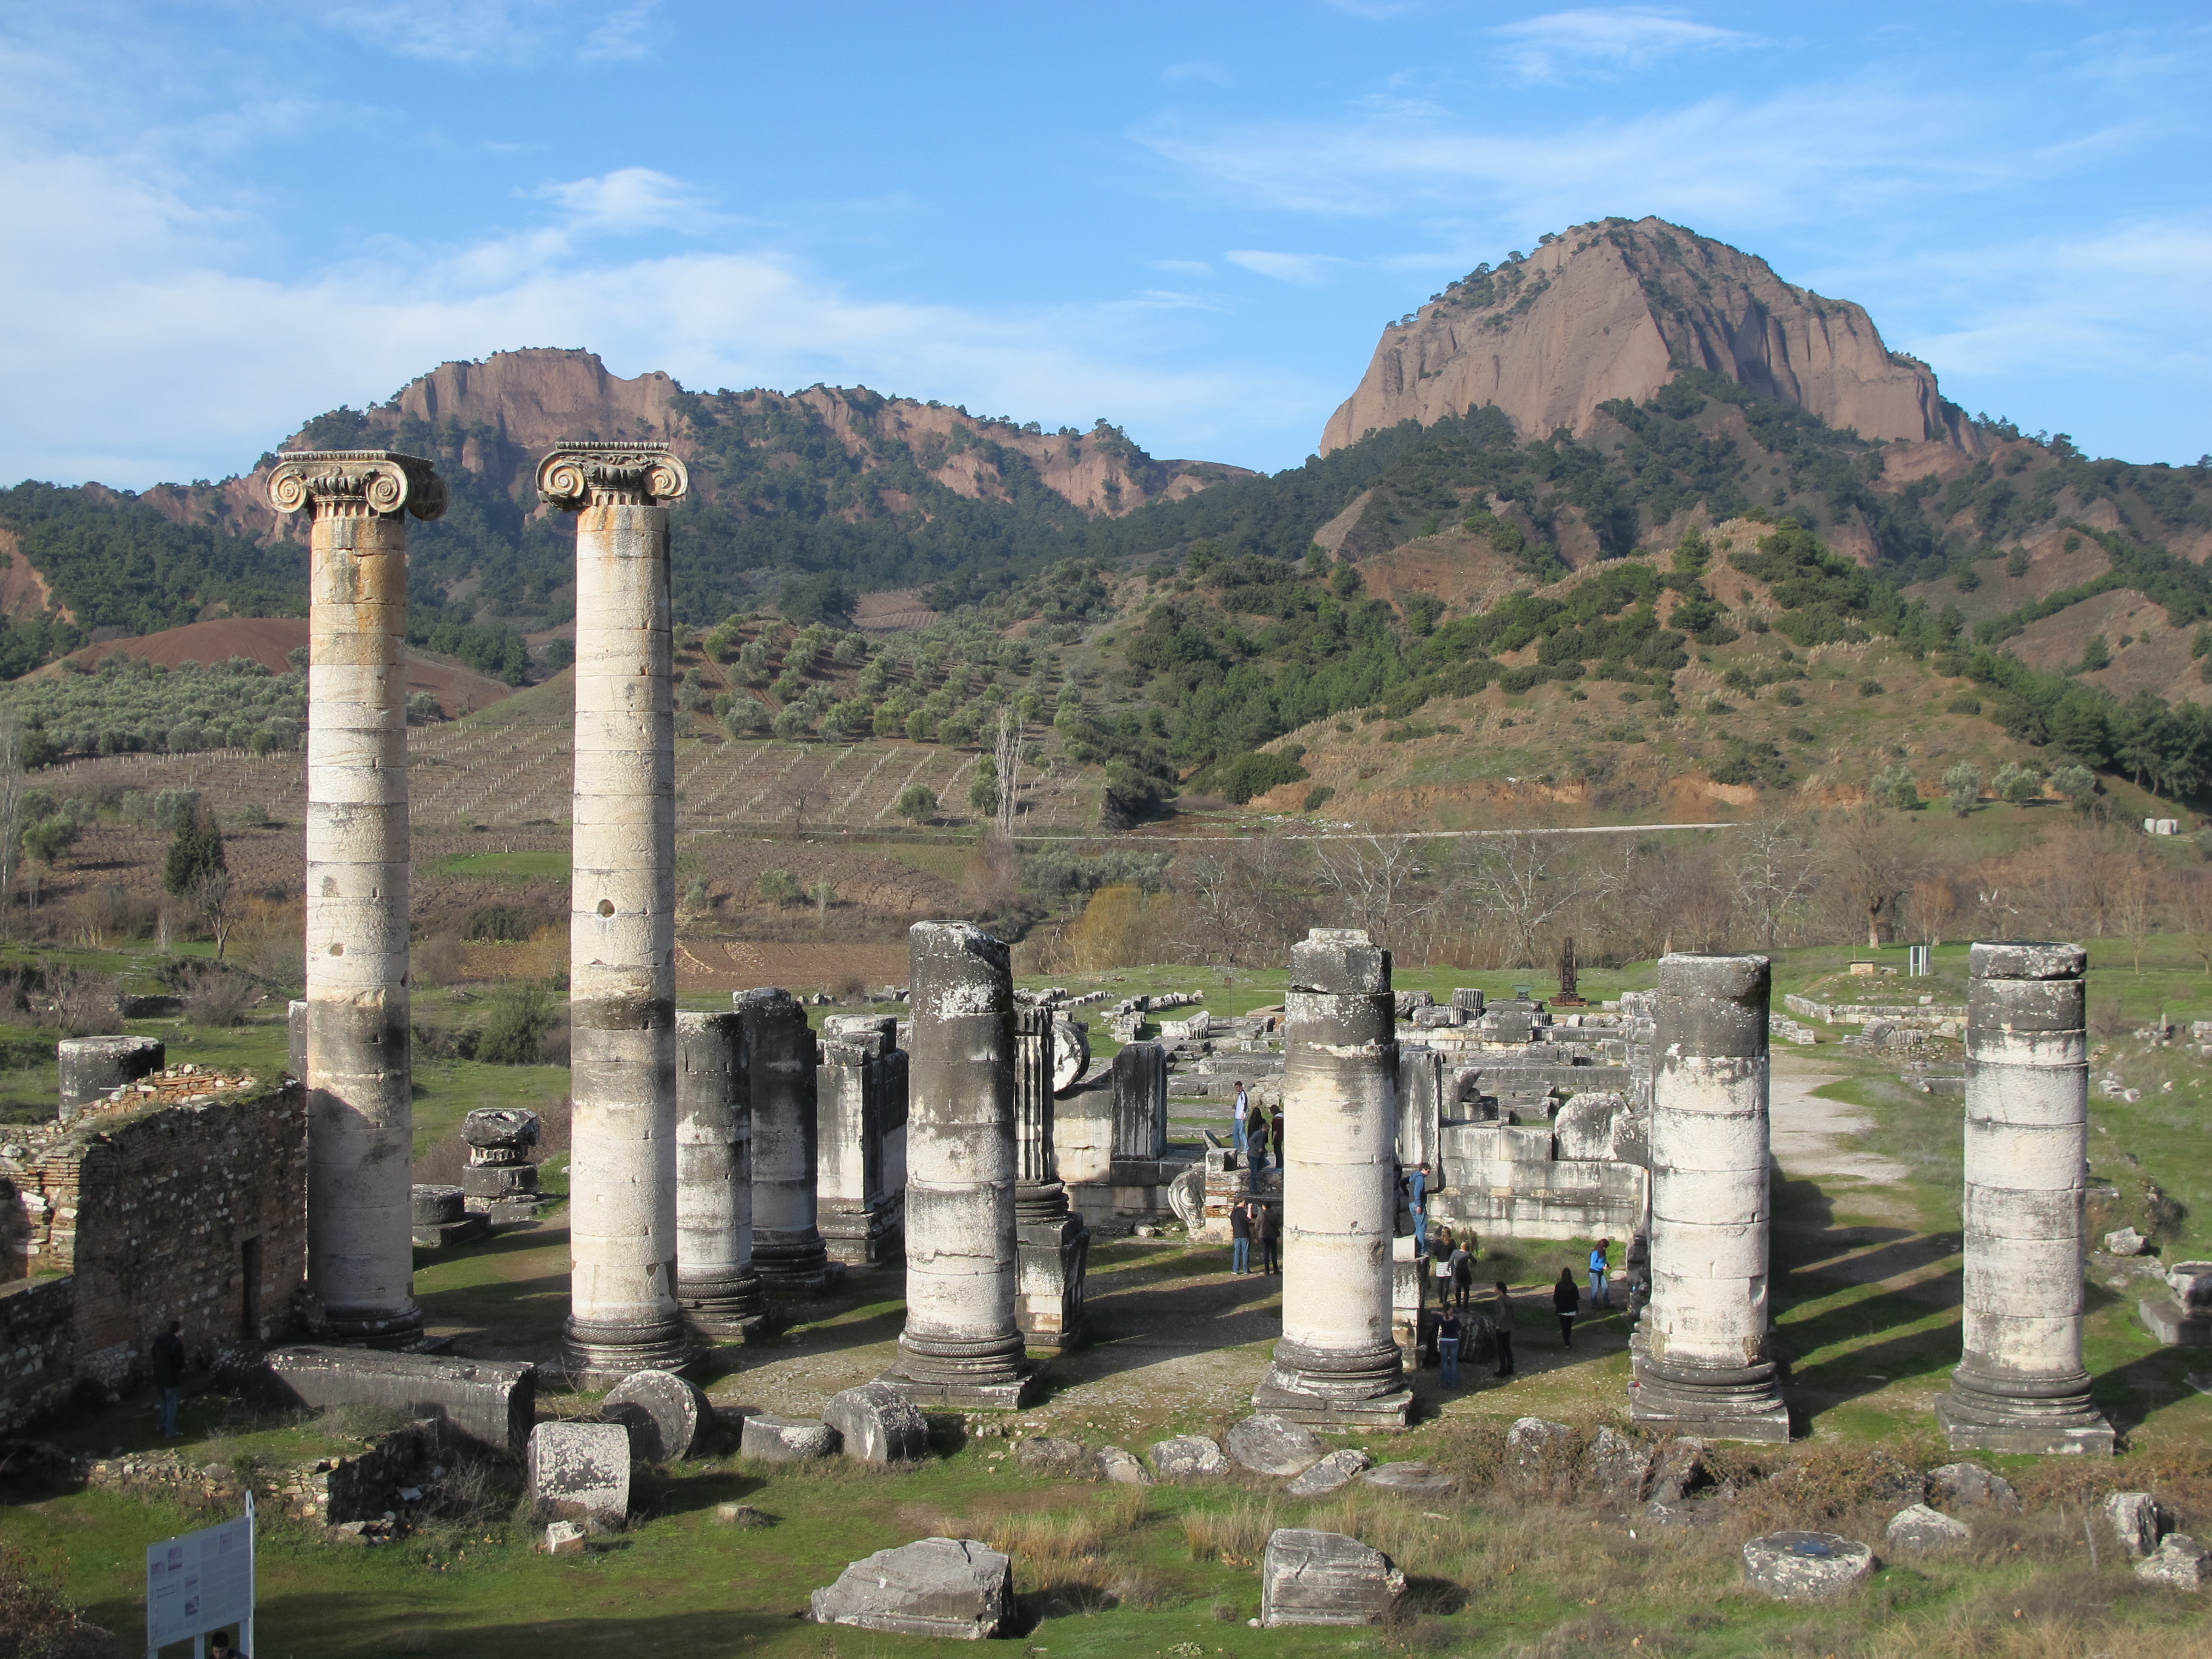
199	1582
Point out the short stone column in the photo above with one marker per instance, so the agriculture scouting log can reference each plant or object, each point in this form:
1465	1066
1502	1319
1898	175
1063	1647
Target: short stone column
621	930
860	1107
2020	1385
500	1181
359	1071
1140	1103
1700	1350
1054	1245
93	1067
787	1248
962	1345
720	1293
1338	1363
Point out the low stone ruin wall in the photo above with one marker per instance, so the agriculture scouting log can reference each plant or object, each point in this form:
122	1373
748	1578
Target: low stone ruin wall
38	1319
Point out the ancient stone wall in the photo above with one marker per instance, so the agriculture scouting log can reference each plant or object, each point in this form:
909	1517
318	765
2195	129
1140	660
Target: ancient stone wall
37	1317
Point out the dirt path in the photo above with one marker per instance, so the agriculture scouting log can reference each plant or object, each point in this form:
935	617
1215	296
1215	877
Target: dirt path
1809	1130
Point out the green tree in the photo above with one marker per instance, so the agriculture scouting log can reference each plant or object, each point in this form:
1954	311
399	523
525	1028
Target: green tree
195	851
1896	788
2016	783
917	803
984	789
516	1025
1963	783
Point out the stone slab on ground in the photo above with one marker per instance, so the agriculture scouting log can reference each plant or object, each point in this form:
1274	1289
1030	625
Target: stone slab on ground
2165	1318
579	1470
1806	1567
1188	1457
490	1402
1339	1469
1313	1577
1123	1467
766	1439
1267	1445
1917	1529
668	1417
1422	1479
1047	1457
444	1235
942	1587
2133	1517
878	1424
2178	1563
1969	1484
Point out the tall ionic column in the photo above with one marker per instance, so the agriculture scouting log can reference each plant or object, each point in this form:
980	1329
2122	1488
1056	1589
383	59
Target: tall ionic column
789	1253
1055	1246
1338	1363
716	1287
961	1345
361	1113
622	1315
1700	1350
2020	1385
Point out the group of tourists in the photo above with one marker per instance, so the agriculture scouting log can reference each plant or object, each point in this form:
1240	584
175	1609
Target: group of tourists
1259	1132
1252	1220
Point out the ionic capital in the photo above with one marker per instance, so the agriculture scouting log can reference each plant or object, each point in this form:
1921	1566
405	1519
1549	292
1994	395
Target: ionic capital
356	484
578	475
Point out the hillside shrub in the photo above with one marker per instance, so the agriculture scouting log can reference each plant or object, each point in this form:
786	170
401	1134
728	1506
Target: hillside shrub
1247	775
516	1025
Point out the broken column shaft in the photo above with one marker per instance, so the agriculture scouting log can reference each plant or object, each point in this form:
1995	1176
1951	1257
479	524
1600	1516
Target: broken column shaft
861	1090
1338	1363
2020	1385
1053	1244
716	1286
787	1250
1701	1361
962	1345
621	933
360	1081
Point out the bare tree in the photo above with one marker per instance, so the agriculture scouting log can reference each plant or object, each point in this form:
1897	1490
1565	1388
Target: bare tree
1773	870
2193	900
1871	863
2134	888
1524	879
212	891
1009	756
11	810
1379	881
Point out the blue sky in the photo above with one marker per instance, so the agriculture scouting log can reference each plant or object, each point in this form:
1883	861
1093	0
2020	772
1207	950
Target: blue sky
1191	219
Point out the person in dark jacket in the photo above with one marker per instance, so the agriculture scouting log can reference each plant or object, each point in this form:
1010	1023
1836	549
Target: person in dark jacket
1447	1340
1240	1236
1566	1302
168	1362
1256	1141
1267	1228
1501	1315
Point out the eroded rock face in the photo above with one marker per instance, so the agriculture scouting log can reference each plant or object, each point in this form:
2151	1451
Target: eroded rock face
1310	1578
1267	1445
878	1424
1186	1458
1338	1468
1606	311
668	1416
1806	1567
944	1587
1918	1530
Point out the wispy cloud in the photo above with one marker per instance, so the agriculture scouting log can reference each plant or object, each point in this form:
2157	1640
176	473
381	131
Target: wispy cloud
1604	40
1184	267
1302	268
629	200
468	33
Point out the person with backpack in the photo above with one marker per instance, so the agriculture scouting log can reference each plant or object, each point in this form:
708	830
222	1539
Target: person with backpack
1501	1317
1566	1302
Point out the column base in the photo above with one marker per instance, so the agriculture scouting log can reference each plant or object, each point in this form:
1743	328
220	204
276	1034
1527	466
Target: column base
2163	1317
724	1311
793	1269
861	1235
2033	1428
442	1235
993	1394
1053	1259
396	1331
1348	1391
1733	1405
599	1356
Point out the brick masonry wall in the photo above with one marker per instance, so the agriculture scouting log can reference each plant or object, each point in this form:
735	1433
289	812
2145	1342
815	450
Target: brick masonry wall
194	1212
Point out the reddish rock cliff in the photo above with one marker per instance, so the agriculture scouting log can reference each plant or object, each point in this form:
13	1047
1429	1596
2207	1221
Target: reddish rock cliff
1612	310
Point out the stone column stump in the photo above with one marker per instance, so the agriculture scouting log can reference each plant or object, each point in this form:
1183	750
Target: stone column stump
716	1286
860	1093
789	1253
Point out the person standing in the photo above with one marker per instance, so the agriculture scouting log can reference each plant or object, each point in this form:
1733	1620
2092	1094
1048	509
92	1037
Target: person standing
1638	1270
1240	1236
1242	1112
1267	1225
168	1359
1440	1267
1501	1315
1275	1117
1255	1139
1566	1302
1601	1292
1462	1271
1417	1190
1447	1336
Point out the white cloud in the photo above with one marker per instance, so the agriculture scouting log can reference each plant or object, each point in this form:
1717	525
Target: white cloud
1602	39
504	32
626	200
1184	267
1305	269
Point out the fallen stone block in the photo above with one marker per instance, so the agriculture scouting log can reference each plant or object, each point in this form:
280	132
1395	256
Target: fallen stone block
490	1403
2133	1517
1339	1469
2178	1563
945	1587
767	1439
1188	1457
1047	1458
1312	1578
1419	1479
1621	1466
564	1538
1965	1483
741	1515
579	1471
1123	1468
2126	1241
878	1424
1267	1445
1917	1529
1541	1453
1806	1567
1678	1470
668	1417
